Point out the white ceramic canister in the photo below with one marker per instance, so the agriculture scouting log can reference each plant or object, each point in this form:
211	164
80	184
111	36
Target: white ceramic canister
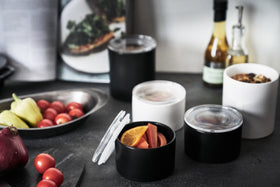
256	101
160	101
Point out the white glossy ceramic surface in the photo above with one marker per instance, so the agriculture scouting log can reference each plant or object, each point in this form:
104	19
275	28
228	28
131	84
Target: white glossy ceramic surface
165	103
256	101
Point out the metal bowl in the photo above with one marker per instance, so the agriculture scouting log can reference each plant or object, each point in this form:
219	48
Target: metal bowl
91	99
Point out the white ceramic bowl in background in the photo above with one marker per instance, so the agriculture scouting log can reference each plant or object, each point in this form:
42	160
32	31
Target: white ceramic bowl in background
256	101
160	101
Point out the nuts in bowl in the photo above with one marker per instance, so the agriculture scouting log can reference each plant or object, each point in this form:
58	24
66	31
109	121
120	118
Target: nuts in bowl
251	78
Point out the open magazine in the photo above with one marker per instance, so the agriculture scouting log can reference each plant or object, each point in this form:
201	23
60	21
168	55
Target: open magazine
86	26
60	39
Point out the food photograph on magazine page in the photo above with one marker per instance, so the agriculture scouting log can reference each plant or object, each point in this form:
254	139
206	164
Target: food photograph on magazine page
86	27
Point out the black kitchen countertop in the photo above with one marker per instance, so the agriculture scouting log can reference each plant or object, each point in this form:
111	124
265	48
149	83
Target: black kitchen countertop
257	165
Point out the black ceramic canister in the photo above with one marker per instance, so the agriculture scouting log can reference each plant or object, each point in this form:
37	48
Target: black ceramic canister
213	133
146	164
132	61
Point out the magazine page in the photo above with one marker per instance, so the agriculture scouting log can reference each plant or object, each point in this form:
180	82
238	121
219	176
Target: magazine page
86	27
67	73
28	35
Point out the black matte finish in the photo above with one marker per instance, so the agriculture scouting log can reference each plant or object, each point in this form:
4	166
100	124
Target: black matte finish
128	70
212	147
257	165
220	8
146	164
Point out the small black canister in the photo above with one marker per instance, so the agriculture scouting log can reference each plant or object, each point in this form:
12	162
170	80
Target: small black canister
132	61
146	165
213	133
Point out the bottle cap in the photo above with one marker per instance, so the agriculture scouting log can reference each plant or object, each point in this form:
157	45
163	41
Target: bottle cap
220	7
220	4
240	14
212	118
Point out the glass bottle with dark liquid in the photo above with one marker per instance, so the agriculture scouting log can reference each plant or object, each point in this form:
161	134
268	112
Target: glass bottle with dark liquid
237	53
216	51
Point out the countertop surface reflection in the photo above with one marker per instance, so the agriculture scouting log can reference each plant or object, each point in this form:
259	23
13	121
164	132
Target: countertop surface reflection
257	165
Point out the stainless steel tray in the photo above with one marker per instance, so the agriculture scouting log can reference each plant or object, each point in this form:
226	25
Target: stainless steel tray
91	99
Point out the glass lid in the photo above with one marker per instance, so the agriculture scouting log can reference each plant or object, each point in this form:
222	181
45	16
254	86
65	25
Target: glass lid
132	44
213	118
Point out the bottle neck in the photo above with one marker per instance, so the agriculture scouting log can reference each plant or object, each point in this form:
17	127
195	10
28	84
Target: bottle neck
219	29
219	15
237	38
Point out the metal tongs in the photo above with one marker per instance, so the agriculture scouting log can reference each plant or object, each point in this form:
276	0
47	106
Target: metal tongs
107	144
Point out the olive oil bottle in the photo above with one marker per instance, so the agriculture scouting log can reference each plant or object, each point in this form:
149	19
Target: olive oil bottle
237	53
216	51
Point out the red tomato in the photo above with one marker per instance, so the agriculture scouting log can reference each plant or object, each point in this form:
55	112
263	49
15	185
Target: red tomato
43	104
46	183
76	113
62	118
45	123
73	105
58	106
55	175
50	114
43	161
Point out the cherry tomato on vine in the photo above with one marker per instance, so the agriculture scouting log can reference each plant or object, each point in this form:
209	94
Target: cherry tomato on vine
55	175
50	114
43	104
73	105
43	161
62	118
45	123
58	106
76	113
46	183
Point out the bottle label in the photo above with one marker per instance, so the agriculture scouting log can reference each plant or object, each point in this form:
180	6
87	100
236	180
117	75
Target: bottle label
213	75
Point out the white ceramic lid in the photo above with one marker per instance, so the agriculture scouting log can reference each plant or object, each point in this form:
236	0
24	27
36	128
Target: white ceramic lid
159	92
213	118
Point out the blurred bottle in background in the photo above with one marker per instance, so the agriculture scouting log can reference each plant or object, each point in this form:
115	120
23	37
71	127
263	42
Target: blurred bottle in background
216	51
237	53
